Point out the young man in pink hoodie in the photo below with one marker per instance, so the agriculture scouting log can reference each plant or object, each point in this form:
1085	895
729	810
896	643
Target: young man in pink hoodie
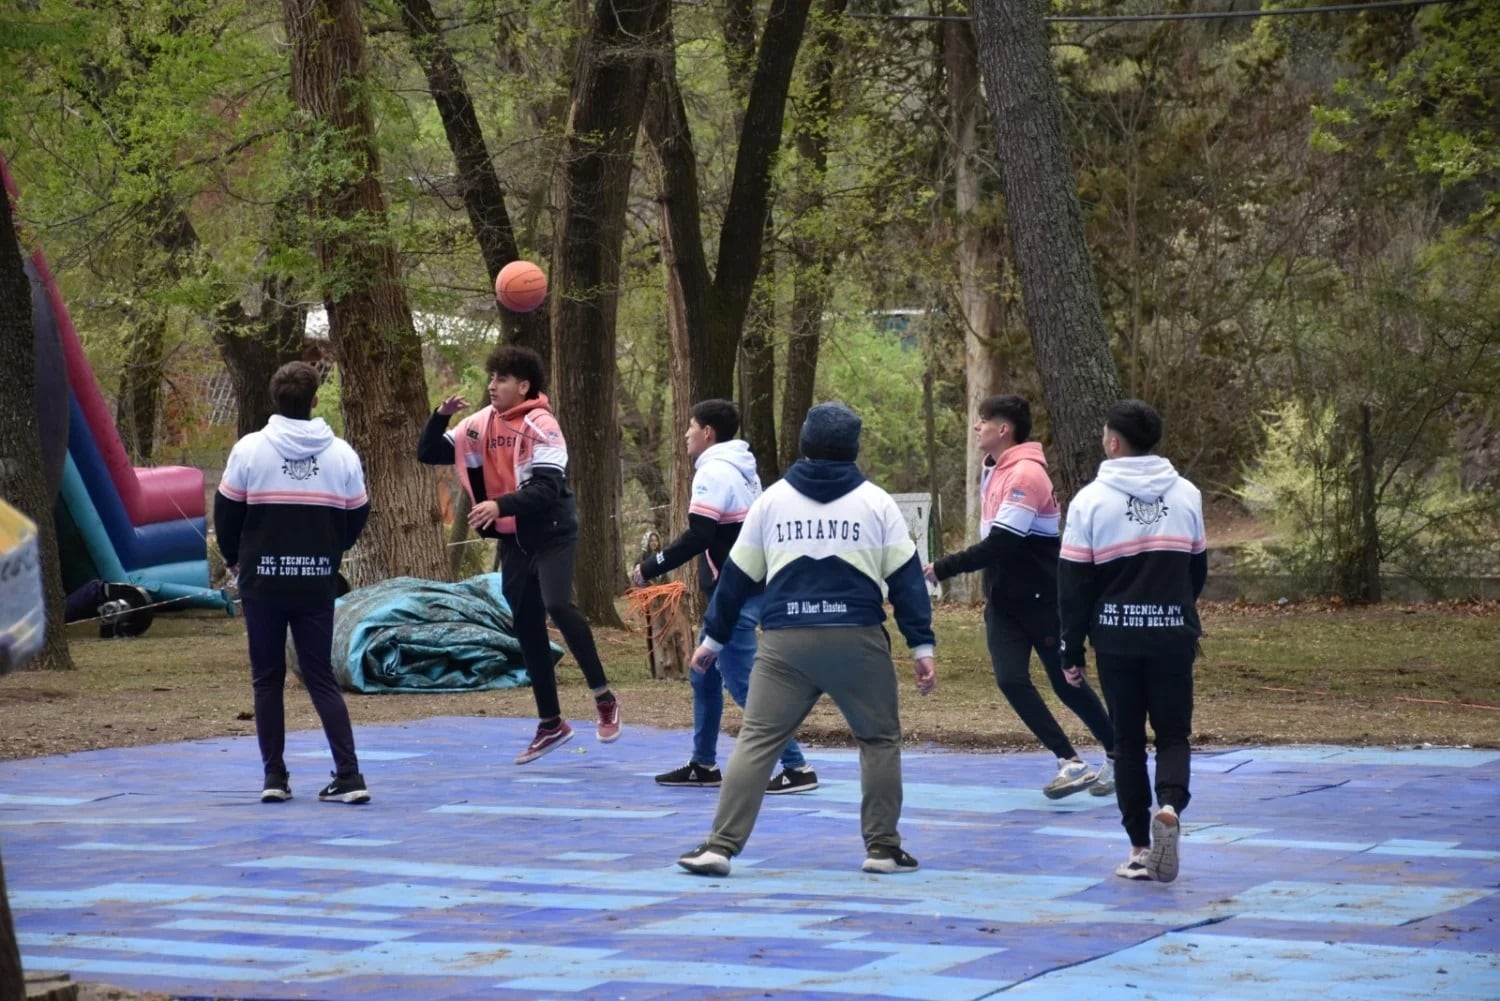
514	461
1017	551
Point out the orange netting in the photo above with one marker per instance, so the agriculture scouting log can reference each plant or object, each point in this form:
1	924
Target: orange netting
656	601
659	607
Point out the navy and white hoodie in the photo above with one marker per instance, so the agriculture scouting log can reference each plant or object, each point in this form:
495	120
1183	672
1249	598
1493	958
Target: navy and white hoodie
291	500
1133	561
829	546
725	484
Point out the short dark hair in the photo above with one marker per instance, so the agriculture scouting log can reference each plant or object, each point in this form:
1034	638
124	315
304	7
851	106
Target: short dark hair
293	389
721	415
1012	409
1137	422
523	363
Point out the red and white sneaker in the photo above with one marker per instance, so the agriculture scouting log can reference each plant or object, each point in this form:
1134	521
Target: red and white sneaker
609	721
545	740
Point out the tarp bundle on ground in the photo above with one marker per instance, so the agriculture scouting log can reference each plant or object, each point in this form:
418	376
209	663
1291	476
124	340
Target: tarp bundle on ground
412	635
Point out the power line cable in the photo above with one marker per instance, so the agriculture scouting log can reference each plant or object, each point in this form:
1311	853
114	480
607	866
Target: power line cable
1226	15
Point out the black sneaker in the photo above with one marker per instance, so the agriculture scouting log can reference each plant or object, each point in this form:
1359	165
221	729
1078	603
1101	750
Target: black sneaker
345	789
692	774
885	859
277	789
793	780
705	861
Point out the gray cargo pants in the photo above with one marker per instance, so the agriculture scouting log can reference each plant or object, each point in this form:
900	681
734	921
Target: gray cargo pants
793	668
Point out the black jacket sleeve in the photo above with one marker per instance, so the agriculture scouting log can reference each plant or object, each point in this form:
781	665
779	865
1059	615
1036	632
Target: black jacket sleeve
696	539
539	494
354	523
1077	593
229	522
1000	546
1198	572
433	447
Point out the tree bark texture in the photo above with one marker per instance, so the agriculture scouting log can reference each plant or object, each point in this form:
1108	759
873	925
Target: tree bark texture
812	257
254	347
609	94
976	262
478	184
23	473
1078	374
384	391
714	308
757	380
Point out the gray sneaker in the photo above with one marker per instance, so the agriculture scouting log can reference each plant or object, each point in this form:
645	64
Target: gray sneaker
1072	776
1104	780
1161	863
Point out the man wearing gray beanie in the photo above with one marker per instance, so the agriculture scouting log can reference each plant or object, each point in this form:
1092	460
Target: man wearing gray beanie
828	546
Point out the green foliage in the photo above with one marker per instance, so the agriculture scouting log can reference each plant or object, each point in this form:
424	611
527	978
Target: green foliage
1366	451
879	373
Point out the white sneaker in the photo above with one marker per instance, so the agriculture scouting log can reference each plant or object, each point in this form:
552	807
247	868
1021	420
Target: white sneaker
1161	863
1072	776
1135	866
1104	780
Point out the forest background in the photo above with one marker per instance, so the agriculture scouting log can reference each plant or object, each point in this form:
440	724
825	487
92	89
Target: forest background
1290	225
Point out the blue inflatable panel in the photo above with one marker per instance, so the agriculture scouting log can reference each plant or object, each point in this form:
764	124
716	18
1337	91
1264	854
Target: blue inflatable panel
171	542
101	489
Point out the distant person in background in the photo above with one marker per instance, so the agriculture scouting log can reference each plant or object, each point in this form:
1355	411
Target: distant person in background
725	484
1134	561
291	502
1017	551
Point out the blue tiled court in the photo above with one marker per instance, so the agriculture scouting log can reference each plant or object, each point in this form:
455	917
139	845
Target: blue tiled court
1308	872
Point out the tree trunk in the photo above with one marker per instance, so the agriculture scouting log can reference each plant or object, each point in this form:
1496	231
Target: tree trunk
254	347
1078	374
484	198
609	93
758	380
23	480
976	260
812	256
140	382
797	388
714	311
1368	531
370	325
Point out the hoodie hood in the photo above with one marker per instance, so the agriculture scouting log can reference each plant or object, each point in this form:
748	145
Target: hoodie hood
527	406
823	480
1142	476
1025	451
736	452
293	439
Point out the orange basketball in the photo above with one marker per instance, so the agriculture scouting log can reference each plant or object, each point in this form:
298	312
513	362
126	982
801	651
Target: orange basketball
521	286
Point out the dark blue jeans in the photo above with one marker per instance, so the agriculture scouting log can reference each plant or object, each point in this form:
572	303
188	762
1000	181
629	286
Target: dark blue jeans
1013	630
266	625
731	671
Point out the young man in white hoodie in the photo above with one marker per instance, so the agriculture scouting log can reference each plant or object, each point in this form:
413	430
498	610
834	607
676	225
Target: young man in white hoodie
291	501
1017	552
725	484
1134	560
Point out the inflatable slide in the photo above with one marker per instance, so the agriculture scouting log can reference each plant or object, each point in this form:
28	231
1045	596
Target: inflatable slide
115	521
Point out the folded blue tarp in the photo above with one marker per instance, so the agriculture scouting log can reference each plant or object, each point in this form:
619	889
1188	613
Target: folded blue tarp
412	635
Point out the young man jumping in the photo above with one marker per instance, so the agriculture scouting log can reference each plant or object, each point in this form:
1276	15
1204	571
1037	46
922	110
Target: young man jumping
522	497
